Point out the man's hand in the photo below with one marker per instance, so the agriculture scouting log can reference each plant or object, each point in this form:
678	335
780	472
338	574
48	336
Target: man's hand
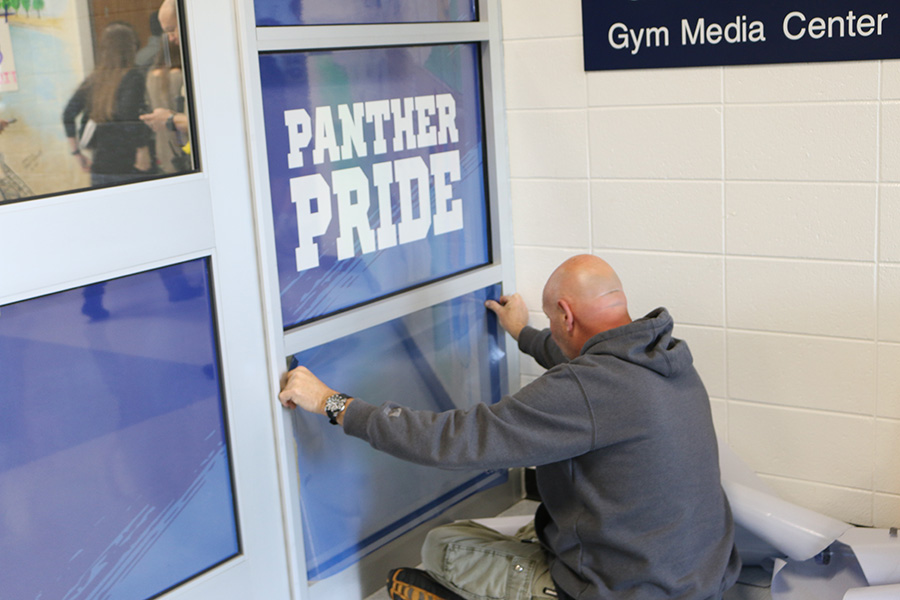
511	312
300	387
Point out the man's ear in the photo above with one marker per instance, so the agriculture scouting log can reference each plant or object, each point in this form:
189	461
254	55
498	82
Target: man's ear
569	315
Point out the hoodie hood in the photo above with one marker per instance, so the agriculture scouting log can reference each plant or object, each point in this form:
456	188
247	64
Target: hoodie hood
646	342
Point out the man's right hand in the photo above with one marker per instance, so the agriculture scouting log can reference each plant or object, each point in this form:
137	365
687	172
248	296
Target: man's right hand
511	312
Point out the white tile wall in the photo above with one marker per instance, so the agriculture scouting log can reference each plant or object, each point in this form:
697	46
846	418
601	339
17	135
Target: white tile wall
657	87
887	511
707	346
889	223
805	142
548	144
813	82
690	286
846	504
889	381
531	19
802	371
720	416
890	141
801	220
544	73
889	303
761	205
887	457
890	79
533	266
819	298
806	445
550	212
678	216
656	143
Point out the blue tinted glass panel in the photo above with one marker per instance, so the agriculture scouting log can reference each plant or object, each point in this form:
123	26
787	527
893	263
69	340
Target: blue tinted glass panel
376	168
114	467
329	12
355	499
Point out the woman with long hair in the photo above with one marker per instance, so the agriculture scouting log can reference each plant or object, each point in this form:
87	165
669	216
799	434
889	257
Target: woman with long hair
111	100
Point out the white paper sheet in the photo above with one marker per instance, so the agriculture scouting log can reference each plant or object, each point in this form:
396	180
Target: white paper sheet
879	592
860	564
505	525
814	580
798	532
878	554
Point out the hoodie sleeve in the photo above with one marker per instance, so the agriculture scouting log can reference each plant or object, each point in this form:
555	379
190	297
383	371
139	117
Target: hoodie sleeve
540	346
546	421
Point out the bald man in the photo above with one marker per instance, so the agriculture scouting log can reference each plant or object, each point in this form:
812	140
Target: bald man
163	118
620	431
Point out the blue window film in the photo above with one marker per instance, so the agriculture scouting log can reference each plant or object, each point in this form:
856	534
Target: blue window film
355	499
329	12
376	172
114	468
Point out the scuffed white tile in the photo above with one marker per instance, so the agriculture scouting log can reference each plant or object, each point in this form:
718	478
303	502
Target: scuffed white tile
683	216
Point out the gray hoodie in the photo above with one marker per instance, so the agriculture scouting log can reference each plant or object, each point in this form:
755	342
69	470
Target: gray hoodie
627	466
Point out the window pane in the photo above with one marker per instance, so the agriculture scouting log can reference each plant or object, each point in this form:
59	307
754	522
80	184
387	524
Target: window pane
86	92
329	12
376	172
448	356
114	464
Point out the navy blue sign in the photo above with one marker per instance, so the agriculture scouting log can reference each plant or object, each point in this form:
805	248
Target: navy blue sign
638	34
376	171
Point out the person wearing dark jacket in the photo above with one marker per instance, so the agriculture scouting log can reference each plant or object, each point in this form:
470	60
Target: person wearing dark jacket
111	100
620	431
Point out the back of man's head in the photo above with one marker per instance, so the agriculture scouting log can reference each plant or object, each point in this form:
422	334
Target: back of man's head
592	290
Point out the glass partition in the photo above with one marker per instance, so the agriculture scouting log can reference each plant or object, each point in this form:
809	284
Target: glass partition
329	12
448	356
93	93
115	477
376	172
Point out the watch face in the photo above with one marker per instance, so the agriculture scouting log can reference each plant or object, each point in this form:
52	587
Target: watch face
335	403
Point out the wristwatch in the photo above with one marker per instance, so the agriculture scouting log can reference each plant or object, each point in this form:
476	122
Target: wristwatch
335	405
170	122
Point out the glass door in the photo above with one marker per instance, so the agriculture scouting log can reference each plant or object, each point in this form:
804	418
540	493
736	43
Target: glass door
136	412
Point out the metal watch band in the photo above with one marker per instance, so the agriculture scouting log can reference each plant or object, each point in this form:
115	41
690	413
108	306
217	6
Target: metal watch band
334	406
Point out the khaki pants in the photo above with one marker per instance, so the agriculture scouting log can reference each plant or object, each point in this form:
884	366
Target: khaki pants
479	563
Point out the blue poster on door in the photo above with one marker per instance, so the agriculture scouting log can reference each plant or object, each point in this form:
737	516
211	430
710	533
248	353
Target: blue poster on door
115	468
376	172
329	12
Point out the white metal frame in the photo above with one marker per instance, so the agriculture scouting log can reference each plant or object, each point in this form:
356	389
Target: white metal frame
57	243
486	32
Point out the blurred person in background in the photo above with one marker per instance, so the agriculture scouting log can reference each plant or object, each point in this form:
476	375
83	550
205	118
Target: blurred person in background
110	101
165	92
172	119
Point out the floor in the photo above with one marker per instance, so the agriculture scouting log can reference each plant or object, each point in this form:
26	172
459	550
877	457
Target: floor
524	507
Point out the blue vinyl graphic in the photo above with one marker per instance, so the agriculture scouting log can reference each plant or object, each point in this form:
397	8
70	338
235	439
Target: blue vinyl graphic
376	172
447	356
114	467
329	12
